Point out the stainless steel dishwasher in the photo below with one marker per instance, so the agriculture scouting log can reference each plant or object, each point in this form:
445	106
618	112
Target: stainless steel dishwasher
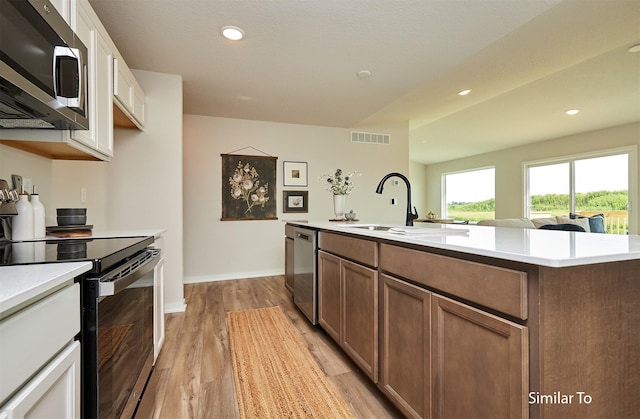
305	284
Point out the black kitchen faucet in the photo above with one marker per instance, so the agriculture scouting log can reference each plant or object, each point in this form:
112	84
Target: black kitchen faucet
410	215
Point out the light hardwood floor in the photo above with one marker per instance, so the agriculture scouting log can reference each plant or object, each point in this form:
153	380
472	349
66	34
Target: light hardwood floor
193	377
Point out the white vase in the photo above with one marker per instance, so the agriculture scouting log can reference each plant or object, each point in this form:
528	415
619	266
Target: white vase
22	224
39	228
338	206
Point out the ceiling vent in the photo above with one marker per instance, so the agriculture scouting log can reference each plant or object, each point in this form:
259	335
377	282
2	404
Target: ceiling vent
369	138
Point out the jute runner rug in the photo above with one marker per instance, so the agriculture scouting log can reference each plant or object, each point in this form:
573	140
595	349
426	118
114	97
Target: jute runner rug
274	373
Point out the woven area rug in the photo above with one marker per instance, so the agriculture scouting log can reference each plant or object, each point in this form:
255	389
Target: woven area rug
274	373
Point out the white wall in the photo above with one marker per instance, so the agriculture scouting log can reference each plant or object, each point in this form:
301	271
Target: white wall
141	187
145	182
509	171
34	167
215	249
69	177
417	176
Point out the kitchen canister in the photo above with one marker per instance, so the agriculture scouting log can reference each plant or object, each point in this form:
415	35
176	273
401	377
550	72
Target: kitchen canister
39	228
22	224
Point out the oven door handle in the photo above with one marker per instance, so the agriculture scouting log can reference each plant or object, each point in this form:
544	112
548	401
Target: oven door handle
109	288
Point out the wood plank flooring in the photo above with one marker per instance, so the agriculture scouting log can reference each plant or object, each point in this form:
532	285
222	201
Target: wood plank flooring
193	377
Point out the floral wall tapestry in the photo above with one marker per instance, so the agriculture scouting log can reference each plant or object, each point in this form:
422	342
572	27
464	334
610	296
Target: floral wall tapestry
248	187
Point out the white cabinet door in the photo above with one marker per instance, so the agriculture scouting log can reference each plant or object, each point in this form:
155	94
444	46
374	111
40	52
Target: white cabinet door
104	96
63	7
138	105
31	337
123	85
158	307
84	28
53	393
99	136
127	93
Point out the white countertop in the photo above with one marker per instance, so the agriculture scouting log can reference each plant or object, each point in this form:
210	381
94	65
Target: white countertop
540	247
21	284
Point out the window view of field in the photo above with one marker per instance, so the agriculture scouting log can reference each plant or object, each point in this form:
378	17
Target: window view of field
612	204
599	185
470	195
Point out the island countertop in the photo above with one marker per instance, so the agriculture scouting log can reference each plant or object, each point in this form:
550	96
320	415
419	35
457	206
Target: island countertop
540	247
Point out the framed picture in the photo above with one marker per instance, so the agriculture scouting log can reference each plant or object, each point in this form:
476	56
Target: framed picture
295	201
295	173
248	187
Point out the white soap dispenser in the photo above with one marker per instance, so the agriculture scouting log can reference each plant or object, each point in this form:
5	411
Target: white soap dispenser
39	229
22	224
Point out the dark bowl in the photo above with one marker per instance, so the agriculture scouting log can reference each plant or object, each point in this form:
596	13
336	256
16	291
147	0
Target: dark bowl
71	211
72	220
71	246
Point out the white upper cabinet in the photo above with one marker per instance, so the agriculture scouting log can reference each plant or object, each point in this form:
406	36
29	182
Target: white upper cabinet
87	26
114	99
63	7
127	93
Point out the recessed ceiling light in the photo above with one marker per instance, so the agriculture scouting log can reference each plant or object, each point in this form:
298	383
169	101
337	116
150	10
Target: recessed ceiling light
634	48
464	92
232	33
573	111
363	74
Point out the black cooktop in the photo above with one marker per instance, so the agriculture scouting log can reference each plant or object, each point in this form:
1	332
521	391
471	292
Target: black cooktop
104	252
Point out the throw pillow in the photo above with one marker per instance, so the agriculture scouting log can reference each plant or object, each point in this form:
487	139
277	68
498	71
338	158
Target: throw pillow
564	227
582	222
596	222
539	222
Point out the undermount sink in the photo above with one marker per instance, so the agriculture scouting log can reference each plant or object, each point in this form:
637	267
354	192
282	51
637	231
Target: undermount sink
412	231
374	228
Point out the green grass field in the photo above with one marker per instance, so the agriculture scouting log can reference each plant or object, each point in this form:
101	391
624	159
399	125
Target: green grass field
471	215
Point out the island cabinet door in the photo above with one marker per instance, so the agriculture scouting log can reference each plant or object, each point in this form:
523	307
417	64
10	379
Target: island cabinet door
480	365
329	295
405	352
360	316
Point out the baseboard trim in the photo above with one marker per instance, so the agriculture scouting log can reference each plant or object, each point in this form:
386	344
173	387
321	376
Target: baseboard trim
175	307
230	276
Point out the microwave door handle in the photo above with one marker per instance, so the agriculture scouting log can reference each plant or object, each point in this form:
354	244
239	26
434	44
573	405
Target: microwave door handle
82	79
58	52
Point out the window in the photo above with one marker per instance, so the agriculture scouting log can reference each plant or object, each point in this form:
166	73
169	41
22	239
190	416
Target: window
584	185
469	195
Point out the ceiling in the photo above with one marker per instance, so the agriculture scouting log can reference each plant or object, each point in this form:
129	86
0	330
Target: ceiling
526	62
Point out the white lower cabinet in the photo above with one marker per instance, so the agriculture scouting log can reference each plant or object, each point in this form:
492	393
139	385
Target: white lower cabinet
158	309
53	393
40	360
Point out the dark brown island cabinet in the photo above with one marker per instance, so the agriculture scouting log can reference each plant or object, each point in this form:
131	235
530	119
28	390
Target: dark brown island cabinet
348	297
447	334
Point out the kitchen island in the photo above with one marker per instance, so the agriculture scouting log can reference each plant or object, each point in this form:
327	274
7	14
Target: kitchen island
477	321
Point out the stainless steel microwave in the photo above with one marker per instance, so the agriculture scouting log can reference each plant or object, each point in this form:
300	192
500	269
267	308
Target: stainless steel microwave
43	68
